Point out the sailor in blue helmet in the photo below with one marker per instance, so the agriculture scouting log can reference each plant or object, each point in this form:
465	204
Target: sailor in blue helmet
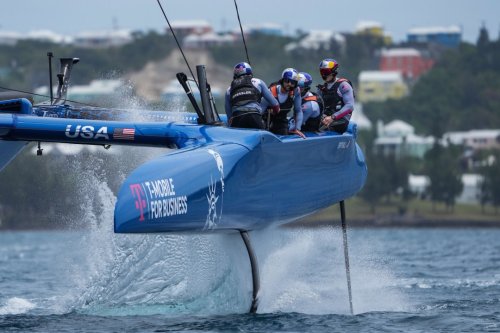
286	92
312	105
338	97
243	99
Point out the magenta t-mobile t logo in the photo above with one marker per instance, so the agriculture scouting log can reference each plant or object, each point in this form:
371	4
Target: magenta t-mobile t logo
140	203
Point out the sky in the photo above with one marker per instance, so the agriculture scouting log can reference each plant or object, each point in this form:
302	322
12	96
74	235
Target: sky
69	17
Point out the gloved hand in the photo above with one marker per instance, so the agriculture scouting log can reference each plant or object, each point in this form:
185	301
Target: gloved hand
328	120
276	109
297	132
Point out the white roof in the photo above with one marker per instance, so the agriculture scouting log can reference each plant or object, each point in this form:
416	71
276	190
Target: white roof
362	25
315	39
122	33
389	76
459	137
190	24
471	179
400	52
410	139
418	180
46	35
453	29
360	118
397	128
208	37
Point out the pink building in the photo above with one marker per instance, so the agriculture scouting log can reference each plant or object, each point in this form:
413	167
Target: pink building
408	61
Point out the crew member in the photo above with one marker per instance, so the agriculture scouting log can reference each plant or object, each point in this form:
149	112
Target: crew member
243	99
311	104
337	95
286	92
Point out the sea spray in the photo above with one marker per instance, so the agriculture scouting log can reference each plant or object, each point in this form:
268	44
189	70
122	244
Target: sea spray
303	270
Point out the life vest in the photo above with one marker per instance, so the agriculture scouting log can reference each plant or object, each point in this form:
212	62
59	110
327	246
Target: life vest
331	99
312	124
287	105
243	91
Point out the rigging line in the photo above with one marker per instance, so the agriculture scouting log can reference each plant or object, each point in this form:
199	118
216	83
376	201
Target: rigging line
242	34
40	95
178	45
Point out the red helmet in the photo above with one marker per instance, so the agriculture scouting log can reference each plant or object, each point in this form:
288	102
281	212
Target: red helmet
327	67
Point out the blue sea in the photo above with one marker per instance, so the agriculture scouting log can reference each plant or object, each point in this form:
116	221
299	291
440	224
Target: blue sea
403	280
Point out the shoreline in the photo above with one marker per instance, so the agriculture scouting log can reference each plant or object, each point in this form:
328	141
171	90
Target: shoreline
398	222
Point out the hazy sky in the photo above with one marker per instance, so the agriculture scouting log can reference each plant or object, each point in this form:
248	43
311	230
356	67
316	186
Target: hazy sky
70	17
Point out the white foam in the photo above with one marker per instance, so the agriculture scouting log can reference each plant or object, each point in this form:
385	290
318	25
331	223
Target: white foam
16	305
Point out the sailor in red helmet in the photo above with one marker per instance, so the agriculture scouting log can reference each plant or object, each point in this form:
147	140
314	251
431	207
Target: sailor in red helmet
243	98
338	97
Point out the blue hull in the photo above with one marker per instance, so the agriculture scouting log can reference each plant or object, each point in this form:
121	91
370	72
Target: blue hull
224	186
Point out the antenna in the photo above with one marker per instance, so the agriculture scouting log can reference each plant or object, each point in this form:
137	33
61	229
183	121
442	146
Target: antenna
50	55
242	34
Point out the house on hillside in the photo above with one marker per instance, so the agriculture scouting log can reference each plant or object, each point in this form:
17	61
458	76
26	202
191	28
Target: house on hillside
379	86
102	39
207	40
418	184
444	36
316	40
374	29
190	27
360	118
398	138
474	139
409	61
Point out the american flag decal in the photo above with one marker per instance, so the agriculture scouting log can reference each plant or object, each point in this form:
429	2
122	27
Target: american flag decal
124	133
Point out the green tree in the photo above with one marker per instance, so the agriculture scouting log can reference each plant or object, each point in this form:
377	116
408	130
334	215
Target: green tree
442	167
490	187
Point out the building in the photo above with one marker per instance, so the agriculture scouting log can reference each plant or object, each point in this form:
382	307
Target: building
398	138
418	184
472	188
207	40
374	29
360	118
317	39
409	61
378	86
474	139
11	38
102	39
445	36
191	27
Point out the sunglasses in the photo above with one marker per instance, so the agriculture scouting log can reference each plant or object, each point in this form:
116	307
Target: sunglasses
292	82
326	72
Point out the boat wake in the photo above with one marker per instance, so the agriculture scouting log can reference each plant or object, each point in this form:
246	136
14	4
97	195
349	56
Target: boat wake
302	270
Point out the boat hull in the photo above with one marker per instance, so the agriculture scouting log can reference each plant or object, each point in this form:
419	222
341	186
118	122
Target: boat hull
229	186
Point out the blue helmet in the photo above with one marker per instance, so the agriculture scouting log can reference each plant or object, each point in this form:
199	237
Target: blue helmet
305	80
242	68
290	74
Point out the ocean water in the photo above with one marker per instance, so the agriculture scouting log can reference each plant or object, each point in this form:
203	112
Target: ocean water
411	280
92	280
